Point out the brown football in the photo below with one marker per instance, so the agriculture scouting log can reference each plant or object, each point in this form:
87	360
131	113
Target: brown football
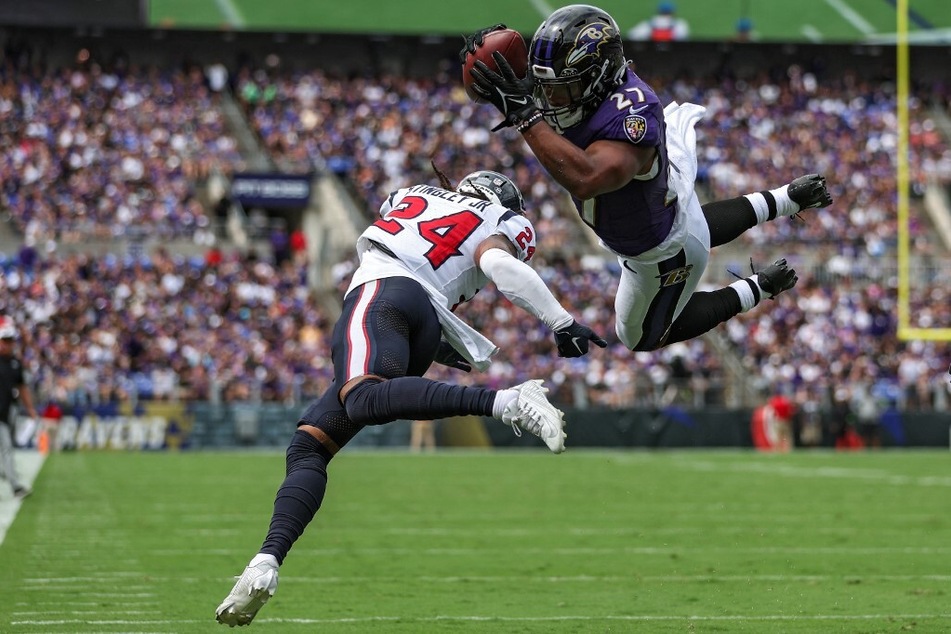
510	43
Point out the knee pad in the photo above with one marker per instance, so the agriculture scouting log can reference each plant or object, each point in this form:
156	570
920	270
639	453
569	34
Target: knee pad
366	404
304	452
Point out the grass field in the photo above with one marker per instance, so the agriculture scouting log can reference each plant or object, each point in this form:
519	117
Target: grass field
504	541
804	20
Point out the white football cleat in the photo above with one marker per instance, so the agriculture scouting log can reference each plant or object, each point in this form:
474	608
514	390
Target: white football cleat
532	412
254	587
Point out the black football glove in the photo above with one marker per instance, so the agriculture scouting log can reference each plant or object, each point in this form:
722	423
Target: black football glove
505	90
447	355
474	41
573	340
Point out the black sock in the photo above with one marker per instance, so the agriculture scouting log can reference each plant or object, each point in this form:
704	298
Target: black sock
728	219
415	398
704	311
300	494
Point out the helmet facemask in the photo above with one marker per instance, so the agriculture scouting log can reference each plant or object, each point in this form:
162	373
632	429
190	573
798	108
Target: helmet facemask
565	101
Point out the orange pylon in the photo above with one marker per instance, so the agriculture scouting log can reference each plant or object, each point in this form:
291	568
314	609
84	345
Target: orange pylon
43	442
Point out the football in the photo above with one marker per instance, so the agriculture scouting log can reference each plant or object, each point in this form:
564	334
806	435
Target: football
510	43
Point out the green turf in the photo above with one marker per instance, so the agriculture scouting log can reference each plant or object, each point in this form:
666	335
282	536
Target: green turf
802	20
688	541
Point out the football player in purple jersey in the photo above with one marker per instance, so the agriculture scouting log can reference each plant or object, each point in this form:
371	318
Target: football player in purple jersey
630	164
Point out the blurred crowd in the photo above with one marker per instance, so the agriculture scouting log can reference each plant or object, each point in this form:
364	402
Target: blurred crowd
384	133
94	153
90	152
758	133
241	328
111	328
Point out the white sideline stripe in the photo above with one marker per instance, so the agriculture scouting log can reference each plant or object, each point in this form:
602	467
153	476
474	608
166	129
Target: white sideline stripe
851	16
28	464
511	619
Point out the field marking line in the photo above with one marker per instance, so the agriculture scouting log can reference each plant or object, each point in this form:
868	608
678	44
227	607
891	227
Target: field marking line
508	619
109	576
621	579
819	472
551	579
609	617
28	464
231	13
543	8
663	551
647	550
98	612
930	36
776	525
851	16
811	33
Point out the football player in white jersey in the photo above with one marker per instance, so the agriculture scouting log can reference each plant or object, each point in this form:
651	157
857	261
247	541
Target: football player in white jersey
431	249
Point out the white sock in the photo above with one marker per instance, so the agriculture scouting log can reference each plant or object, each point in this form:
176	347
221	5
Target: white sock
502	399
772	204
750	292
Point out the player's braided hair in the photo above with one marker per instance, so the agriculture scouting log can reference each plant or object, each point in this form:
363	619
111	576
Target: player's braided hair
444	181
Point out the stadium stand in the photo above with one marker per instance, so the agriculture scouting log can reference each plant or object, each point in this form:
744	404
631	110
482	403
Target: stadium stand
94	150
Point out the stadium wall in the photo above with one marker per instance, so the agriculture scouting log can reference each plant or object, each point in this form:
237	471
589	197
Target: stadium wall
206	425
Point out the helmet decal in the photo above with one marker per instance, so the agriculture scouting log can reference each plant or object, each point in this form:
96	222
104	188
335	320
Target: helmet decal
589	41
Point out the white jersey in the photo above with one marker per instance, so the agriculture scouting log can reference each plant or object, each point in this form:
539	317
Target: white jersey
434	232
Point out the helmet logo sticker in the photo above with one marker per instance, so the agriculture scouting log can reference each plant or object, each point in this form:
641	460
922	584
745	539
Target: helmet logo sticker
588	41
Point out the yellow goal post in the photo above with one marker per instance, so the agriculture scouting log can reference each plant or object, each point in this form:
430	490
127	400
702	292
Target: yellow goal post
906	331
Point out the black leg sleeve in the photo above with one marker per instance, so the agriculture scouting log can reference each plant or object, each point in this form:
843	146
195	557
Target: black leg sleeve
728	219
300	495
704	311
414	398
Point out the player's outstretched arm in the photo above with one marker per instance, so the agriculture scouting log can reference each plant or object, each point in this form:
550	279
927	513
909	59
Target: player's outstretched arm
523	287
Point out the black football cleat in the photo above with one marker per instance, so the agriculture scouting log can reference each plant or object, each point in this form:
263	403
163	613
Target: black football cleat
809	191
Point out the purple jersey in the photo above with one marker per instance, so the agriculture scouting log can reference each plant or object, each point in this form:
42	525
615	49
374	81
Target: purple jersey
638	216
